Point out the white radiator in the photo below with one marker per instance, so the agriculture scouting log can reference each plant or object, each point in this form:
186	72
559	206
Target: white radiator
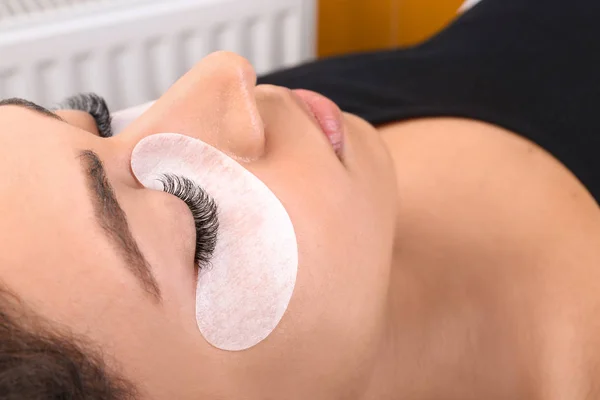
131	51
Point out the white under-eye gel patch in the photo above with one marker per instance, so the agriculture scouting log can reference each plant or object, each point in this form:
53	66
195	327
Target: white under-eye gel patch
243	295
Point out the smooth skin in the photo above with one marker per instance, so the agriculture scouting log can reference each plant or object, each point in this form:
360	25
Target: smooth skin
438	258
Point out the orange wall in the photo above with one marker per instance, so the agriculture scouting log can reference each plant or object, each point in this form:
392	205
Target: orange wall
356	25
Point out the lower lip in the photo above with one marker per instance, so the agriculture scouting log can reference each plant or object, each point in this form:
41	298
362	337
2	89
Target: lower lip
328	115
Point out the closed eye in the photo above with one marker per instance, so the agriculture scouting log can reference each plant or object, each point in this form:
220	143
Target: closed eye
94	105
204	210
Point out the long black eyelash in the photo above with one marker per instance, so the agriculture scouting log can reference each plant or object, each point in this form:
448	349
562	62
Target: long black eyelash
205	212
94	105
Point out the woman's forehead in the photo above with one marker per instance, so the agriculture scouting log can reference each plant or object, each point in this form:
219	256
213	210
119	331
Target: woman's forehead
42	177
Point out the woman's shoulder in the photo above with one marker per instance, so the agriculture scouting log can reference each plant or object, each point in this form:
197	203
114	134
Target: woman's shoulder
468	171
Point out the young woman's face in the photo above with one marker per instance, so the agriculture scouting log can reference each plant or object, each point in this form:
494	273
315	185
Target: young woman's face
60	261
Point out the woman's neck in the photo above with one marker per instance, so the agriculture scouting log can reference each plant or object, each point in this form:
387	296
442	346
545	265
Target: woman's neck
446	339
493	291
449	332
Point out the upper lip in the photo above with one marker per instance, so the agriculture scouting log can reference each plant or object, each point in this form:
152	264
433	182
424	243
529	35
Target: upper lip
327	115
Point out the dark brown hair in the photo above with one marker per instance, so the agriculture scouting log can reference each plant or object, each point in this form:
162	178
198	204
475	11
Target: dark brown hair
40	361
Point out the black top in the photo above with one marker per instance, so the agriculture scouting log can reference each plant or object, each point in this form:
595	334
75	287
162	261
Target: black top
530	66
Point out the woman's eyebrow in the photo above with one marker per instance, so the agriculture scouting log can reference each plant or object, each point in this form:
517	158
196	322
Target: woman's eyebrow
113	221
30	106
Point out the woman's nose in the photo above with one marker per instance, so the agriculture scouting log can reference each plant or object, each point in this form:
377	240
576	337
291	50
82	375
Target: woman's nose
213	102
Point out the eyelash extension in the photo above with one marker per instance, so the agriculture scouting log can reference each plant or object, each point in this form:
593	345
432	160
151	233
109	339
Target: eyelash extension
204	210
94	105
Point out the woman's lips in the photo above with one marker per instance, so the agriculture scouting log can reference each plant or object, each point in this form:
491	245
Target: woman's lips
328	115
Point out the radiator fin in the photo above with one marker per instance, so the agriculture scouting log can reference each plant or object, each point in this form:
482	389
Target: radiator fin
131	55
